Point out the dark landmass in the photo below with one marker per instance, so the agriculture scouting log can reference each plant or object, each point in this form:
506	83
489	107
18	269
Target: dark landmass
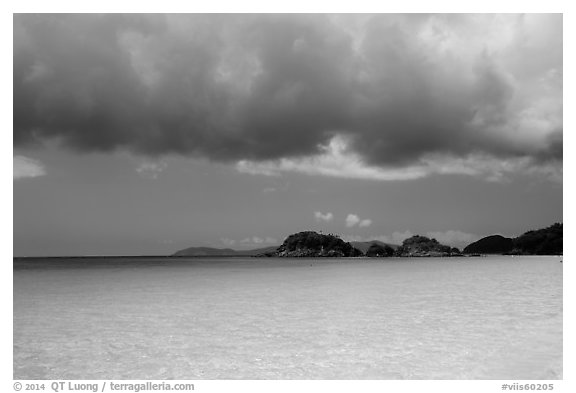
494	244
221	252
311	244
546	241
379	250
421	246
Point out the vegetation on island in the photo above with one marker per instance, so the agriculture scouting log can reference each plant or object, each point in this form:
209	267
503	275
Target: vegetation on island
546	241
377	250
494	244
313	244
421	246
310	244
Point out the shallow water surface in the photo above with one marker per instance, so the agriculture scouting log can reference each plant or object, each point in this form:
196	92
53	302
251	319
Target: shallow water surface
251	318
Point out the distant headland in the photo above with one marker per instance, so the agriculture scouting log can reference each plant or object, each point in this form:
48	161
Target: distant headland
546	241
311	244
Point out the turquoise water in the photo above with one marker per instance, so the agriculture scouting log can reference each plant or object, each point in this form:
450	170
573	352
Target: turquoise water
244	318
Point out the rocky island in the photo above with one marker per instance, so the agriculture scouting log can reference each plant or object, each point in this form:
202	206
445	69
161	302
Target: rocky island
311	244
421	246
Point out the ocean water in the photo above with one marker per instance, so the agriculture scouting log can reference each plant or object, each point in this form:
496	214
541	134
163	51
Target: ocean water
244	318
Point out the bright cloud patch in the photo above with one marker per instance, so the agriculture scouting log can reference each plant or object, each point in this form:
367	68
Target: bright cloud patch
258	241
365	223
323	217
351	220
24	167
151	170
337	159
228	242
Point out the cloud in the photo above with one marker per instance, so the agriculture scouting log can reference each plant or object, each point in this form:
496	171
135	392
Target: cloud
351	220
151	170
365	223
24	167
326	217
337	160
254	241
410	95
228	242
259	240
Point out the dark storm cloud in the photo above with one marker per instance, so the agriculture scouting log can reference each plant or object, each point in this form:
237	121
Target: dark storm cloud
261	87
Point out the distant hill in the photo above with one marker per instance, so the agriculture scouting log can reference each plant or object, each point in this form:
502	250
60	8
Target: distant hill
221	252
380	250
365	246
494	244
256	252
546	241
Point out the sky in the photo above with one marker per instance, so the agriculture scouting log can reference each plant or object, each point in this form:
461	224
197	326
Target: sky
142	134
